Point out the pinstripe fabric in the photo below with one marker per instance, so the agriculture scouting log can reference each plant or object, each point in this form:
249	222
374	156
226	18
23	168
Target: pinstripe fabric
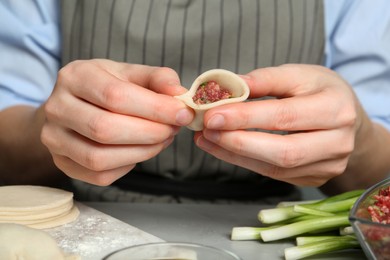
192	36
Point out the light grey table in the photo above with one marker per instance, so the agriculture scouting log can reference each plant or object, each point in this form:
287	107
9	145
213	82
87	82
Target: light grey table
204	224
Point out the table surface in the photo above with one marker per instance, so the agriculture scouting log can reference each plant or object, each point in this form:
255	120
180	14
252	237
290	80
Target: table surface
206	224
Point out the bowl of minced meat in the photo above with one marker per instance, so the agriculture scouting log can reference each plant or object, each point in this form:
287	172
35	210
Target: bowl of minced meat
370	219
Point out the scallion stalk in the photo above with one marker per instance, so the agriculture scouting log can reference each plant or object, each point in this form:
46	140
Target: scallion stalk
312	211
337	203
305	226
346	231
320	247
334	206
303	240
293	203
274	215
324	224
248	233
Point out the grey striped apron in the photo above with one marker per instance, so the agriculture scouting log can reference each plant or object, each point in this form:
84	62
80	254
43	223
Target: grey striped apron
192	36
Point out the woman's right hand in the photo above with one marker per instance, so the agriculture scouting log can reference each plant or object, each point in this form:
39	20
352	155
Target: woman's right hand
104	117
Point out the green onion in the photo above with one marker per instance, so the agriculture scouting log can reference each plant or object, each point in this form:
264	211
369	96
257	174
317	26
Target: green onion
248	233
293	203
304	226
303	240
320	247
343	196
274	215
311	211
333	206
319	226
346	231
337	203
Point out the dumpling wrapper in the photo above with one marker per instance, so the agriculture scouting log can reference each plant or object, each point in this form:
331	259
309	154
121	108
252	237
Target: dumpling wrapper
226	79
21	242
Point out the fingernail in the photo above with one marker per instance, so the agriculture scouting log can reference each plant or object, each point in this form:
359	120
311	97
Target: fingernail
183	117
204	144
216	121
211	135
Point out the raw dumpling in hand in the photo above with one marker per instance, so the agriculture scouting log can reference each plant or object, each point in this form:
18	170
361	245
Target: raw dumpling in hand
213	88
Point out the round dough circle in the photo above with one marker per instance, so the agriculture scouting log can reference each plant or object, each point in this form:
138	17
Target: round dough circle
25	198
59	221
41	214
36	206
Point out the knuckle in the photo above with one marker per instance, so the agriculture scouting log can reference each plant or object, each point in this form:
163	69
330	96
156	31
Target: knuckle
69	70
103	179
99	129
239	147
291	156
346	144
156	110
241	120
48	138
160	135
347	116
268	74
112	95
274	171
165	70
159	72
237	144
338	167
51	109
95	160
106	178
314	181
64	72
349	146
44	136
285	117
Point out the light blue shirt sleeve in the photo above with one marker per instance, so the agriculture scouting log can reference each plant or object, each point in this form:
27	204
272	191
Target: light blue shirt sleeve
358	48
29	51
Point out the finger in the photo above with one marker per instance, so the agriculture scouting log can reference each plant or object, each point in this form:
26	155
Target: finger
95	85
288	80
287	151
289	114
101	178
315	174
105	126
95	156
162	80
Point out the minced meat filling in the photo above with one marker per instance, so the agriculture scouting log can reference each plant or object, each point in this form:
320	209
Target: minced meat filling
210	92
380	210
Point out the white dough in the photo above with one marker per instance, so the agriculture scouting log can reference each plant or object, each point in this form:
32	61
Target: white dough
50	222
22	198
36	206
18	242
61	220
39	214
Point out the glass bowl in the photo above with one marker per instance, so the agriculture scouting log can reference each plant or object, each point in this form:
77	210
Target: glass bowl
374	237
171	251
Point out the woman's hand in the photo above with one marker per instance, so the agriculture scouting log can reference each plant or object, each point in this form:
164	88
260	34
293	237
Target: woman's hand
314	105
103	117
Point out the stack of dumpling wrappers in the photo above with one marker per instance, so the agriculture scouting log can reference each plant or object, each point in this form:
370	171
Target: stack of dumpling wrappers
36	206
